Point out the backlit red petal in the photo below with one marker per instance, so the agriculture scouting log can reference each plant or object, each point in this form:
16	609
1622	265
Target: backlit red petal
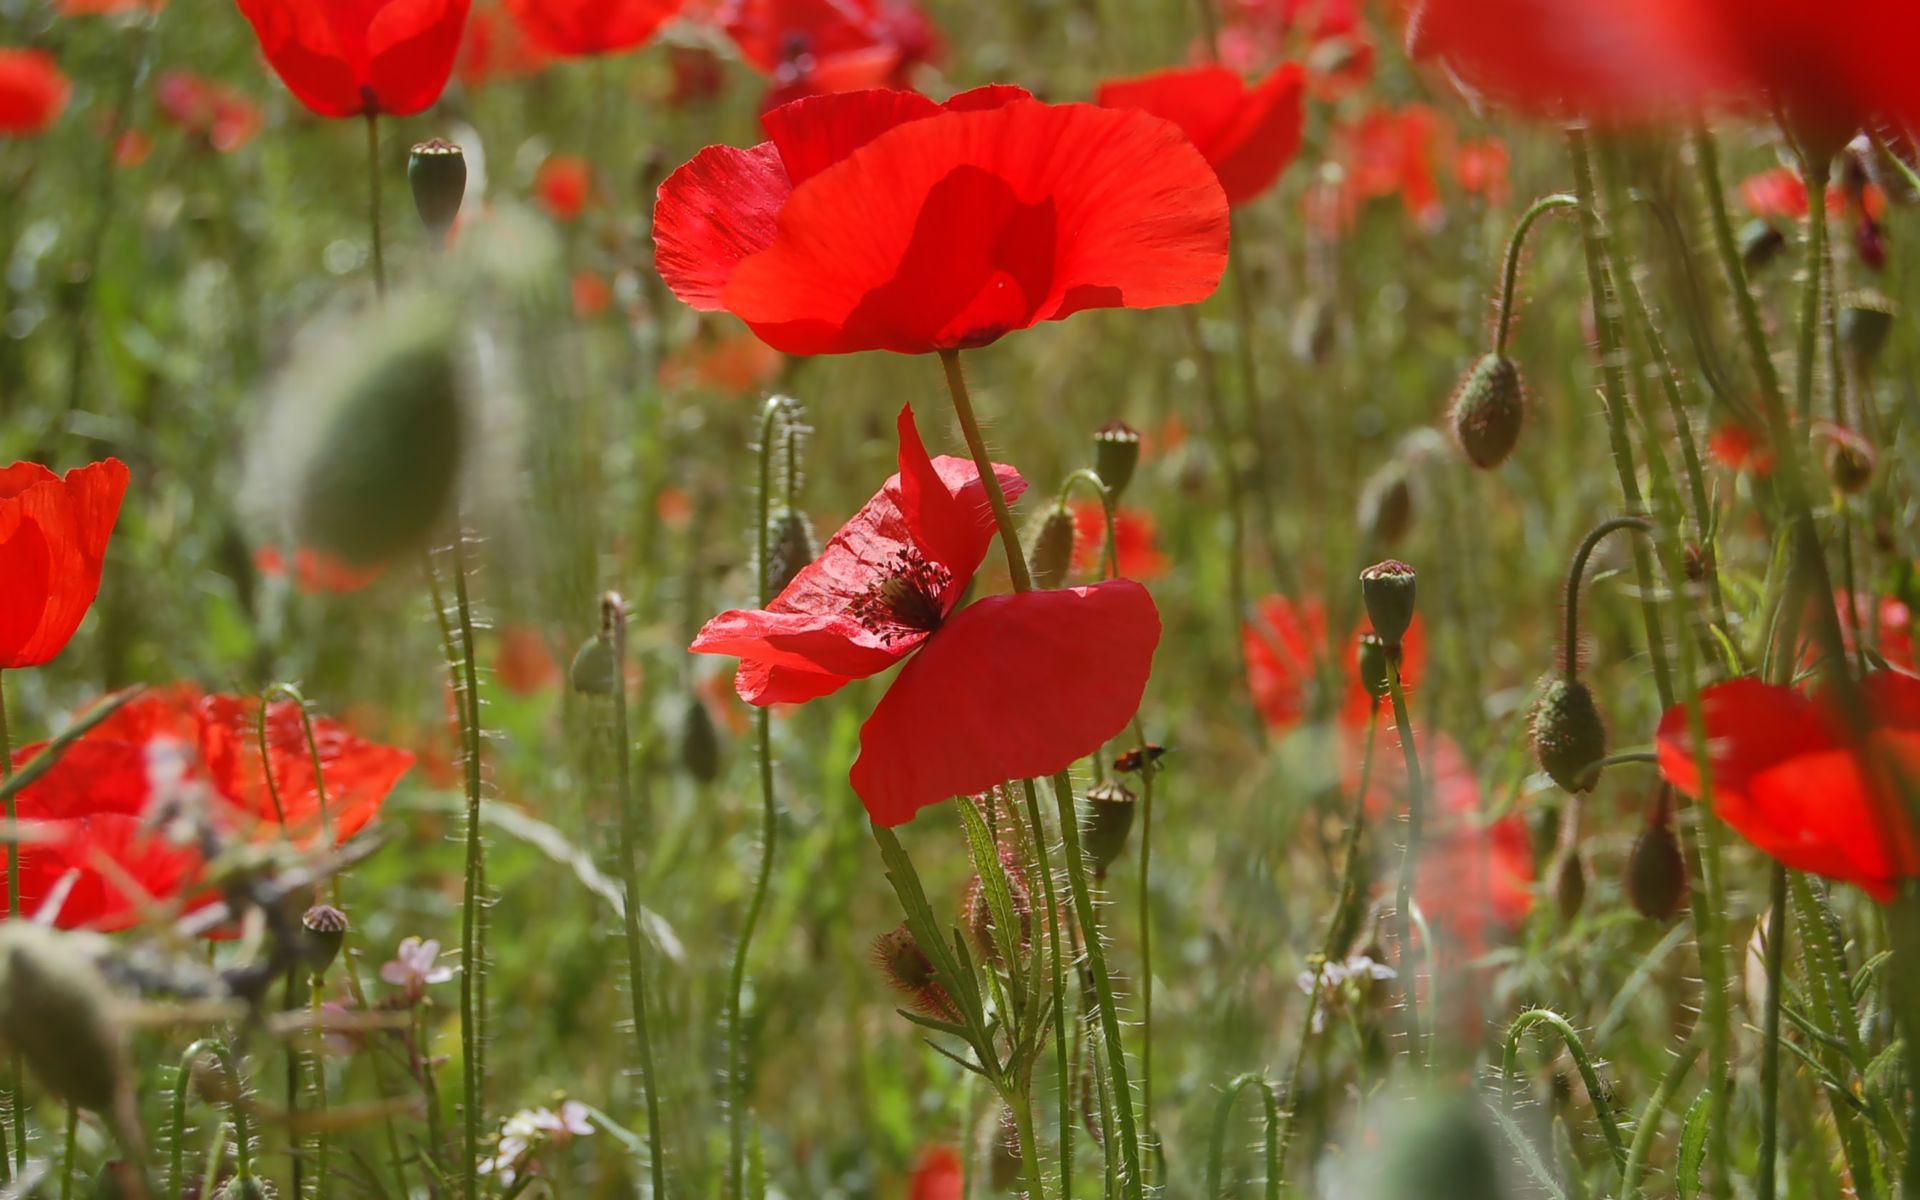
718	209
814	133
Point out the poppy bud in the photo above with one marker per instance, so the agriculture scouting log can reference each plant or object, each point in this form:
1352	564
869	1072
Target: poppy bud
437	173
1866	320
1656	870
1105	823
1387	590
790	548
1386	505
910	972
1570	885
374	450
593	671
1489	407
1569	738
1760	244
326	928
1374	657
1116	452
699	742
56	1013
1050	548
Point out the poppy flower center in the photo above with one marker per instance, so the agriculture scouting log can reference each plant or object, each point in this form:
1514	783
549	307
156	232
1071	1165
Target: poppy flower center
907	601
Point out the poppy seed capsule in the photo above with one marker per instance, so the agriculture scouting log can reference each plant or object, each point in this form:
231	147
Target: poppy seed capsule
1656	870
1387	590
1489	408
1050	549
377	473
1116	452
1760	244
1386	505
1105	823
437	173
1374	659
326	928
1866	321
789	549
1569	738
699	742
593	671
56	1013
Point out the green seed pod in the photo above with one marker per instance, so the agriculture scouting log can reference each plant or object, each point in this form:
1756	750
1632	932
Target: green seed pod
1387	590
1760	244
1656	869
789	548
437	173
699	742
1116	452
1105	823
1866	321
1050	548
326	928
593	671
1570	885
1374	658
1489	409
57	1013
373	441
1386	505
1569	737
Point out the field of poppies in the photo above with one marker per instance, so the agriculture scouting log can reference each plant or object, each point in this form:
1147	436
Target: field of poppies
937	599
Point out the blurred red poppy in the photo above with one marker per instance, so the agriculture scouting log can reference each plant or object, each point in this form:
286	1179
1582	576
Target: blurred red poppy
524	664
1780	193
819	47
33	92
564	184
496	48
1480	168
1283	642
734	363
362	58
313	572
1475	879
1009	687
91	8
223	117
1797	779
1248	134
1830	69
1386	153
578	28
1739	447
592	294
937	1175
53	541
880	220
1255	34
699	76
97	815
1889	631
1135	541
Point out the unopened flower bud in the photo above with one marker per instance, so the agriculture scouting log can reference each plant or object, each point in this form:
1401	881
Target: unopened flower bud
1866	320
1387	590
1106	822
1386	505
1760	244
790	548
699	742
1489	408
1656	869
326	928
1050	548
57	1014
593	671
1570	885
1569	737
910	972
1116	452
437	173
1374	660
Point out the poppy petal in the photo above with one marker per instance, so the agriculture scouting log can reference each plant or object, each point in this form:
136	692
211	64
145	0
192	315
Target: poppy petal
946	506
718	209
816	132
1013	687
826	644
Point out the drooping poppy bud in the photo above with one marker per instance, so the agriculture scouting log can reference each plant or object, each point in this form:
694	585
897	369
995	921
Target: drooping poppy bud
1374	659
699	742
56	1012
1866	320
910	972
593	671
1489	409
1760	244
1387	590
437	173
790	548
1386	505
1106	822
1656	869
326	928
1116	452
1050	548
1570	885
1569	737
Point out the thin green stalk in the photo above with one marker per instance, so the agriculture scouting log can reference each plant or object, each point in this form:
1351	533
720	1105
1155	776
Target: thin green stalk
1277	1122
1903	932
16	1074
1511	274
1063	797
1022	1105
1648	1129
614	627
1409	860
1821	959
1776	948
1582	1060
472	948
242	1134
66	1164
1576	573
737	1082
1044	858
373	204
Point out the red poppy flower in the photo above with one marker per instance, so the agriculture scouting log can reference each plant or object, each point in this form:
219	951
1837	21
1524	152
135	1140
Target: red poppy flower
223	117
94	815
1892	636
1796	779
734	363
592	294
361	57
523	664
1255	34
578	28
53	540
880	220
1282	643
1739	447
816	47
937	1175
1386	153
315	573
1009	687
1136	541
1247	134
1780	193
33	92
1831	68
699	77
1480	168
1475	878
564	184
496	48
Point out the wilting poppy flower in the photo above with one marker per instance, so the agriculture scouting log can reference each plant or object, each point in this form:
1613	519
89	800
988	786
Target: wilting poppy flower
224	118
53	540
564	184
313	572
177	756
937	1175
1247	134
880	220
1009	687
496	48
1135	541
362	58
33	92
1799	781
578	28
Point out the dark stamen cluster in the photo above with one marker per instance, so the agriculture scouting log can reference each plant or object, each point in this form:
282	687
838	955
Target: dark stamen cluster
907	601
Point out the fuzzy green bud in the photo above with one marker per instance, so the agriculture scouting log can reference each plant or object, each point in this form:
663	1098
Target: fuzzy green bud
1050	548
699	742
437	173
326	929
1387	590
1116	452
1569	737
593	671
790	548
1106	822
1374	660
56	1012
1656	869
1489	409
